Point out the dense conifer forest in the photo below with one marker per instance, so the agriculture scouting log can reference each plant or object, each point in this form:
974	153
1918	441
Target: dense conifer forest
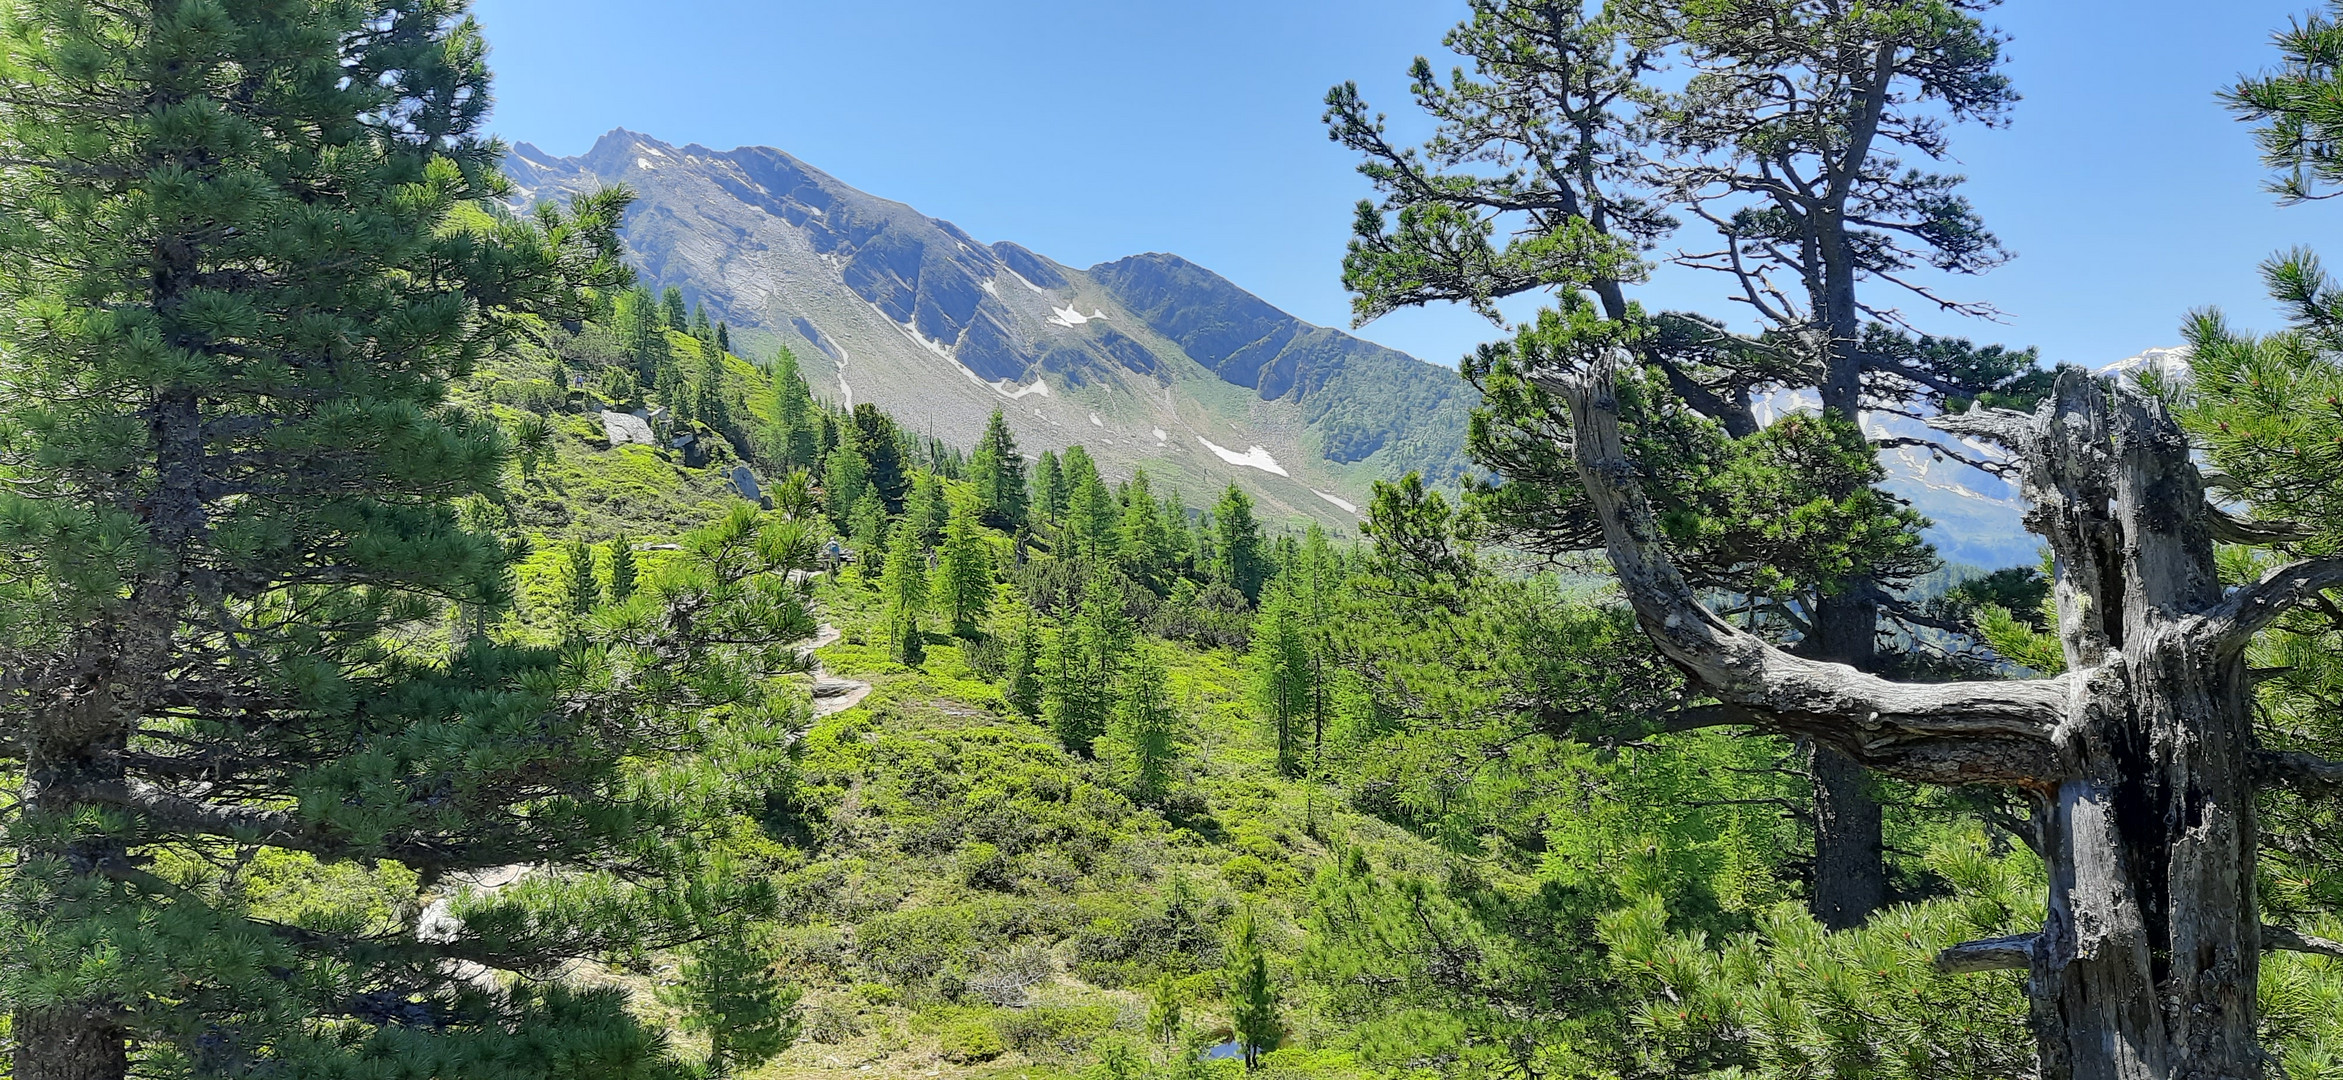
427	652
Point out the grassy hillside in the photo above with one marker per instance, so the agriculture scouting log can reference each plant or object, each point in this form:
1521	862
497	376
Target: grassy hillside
960	892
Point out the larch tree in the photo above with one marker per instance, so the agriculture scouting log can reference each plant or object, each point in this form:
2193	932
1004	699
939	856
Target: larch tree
1558	161
998	471
966	570
1049	488
243	253
904	585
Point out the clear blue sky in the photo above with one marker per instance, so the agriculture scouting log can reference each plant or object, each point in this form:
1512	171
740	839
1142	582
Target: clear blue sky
1092	131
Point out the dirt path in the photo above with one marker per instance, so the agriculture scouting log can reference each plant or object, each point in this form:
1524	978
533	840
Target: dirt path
831	694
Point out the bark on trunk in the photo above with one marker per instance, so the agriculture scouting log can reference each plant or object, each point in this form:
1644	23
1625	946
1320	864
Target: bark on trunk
1850	842
1850	861
2149	959
70	1044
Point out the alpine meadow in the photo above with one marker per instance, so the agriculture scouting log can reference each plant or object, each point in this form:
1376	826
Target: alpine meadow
474	613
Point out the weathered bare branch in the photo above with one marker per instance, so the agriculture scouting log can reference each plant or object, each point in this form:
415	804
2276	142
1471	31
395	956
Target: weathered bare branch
2231	529
2006	428
2308	774
2287	939
2251	609
1951	733
2015	952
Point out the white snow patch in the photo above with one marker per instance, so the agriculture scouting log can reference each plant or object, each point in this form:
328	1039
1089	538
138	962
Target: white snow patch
644	163
1348	507
922	340
1036	288
1012	391
1253	457
1095	421
1069	318
993	286
1160	436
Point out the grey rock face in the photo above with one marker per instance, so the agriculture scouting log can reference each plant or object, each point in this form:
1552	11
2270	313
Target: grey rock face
622	428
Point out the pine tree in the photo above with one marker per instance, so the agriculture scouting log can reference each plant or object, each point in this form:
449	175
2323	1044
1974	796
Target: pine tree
723	338
642	332
1165	1014
243	255
533	443
672	313
998	471
880	443
1240	559
904	585
726	992
1283	671
585	593
845	483
1021	684
1252	992
1049	488
966	570
622	570
1808	185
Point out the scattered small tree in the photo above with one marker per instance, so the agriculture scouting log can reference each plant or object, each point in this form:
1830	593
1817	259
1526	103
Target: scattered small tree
998	471
1148	725
727	991
905	587
967	571
622	570
1252	992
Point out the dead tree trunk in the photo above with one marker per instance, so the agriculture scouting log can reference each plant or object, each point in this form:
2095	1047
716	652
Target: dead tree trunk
2141	757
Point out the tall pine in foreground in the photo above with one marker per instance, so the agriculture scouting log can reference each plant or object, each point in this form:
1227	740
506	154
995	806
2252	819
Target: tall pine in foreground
242	256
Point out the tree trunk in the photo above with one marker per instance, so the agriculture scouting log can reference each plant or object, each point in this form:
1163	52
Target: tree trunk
70	1044
86	1039
1850	846
1850	863
2148	964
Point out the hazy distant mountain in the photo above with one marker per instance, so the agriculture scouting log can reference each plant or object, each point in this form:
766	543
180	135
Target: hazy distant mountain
1980	518
1150	360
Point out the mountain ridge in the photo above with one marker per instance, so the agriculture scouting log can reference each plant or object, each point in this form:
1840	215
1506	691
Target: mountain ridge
1149	361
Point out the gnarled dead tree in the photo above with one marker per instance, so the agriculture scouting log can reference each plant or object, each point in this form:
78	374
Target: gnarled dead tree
2141	758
